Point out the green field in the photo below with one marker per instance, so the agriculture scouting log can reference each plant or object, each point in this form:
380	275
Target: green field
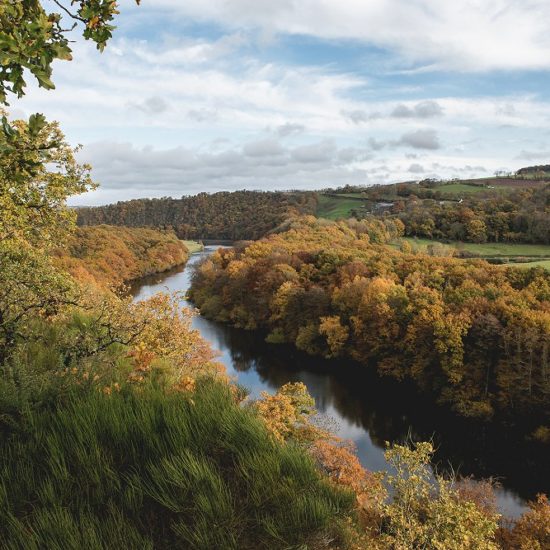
351	195
334	208
538	253
493	250
460	189
193	246
540	263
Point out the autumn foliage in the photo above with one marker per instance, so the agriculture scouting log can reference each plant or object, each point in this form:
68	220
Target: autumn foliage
410	507
109	256
476	336
237	215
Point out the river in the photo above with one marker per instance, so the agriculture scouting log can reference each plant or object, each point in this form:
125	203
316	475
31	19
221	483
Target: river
367	409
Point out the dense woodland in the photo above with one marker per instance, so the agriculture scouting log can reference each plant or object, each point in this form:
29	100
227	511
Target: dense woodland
539	169
241	215
108	255
520	215
474	335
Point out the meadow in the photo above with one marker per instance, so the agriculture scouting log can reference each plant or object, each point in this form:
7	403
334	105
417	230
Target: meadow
489	249
516	254
335	208
459	189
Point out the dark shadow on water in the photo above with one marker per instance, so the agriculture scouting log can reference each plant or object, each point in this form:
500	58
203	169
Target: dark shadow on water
393	411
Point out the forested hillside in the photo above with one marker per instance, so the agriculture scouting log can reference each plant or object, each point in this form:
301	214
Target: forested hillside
113	255
522	216
474	335
541	170
505	211
233	216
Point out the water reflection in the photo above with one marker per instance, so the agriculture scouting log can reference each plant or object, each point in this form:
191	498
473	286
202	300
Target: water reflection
370	410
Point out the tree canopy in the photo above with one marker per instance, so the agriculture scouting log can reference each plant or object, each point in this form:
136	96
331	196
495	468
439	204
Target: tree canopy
32	37
38	172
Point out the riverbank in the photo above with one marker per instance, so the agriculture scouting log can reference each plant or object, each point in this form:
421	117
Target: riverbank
193	246
471	335
368	409
111	256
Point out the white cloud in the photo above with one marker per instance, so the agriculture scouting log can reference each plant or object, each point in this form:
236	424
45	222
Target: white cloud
290	129
153	105
202	115
186	52
263	148
183	112
535	156
356	116
416	168
473	35
120	166
316	152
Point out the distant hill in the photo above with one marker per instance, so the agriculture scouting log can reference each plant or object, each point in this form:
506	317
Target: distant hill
497	210
240	215
542	168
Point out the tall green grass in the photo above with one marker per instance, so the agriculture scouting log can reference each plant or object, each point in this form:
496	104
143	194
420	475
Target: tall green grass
155	469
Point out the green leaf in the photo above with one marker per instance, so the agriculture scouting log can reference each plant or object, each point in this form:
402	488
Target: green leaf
8	130
44	80
36	123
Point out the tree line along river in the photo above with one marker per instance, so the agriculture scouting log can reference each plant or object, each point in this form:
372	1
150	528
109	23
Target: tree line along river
366	408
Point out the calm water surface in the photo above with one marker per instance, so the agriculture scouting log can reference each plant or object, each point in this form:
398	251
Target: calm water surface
367	409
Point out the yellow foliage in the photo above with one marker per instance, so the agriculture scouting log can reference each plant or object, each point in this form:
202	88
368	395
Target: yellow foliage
335	333
426	514
288	413
109	256
166	338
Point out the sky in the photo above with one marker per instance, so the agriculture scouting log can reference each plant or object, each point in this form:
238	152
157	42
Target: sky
212	95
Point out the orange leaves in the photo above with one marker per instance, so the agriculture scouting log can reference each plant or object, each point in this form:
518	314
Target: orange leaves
289	416
110	256
278	414
108	390
340	463
148	338
532	530
186	384
93	22
166	338
449	332
142	357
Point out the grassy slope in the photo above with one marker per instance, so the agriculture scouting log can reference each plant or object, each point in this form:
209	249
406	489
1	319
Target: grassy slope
193	246
540	263
459	189
155	469
334	208
540	253
351	195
